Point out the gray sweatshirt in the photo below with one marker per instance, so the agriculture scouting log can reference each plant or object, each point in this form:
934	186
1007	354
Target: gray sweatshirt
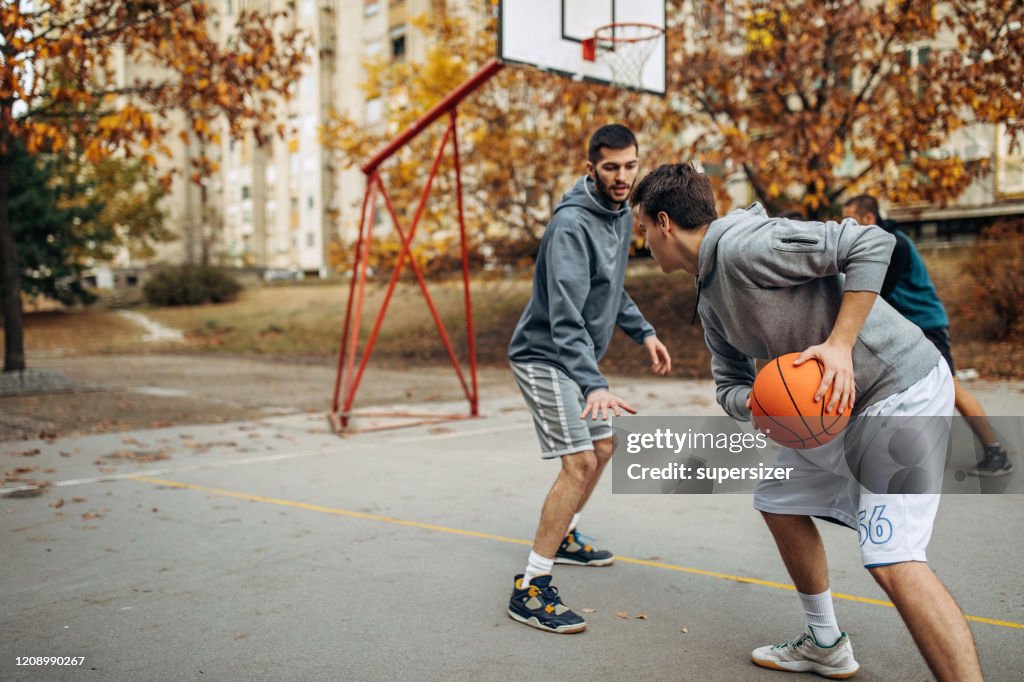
770	286
578	295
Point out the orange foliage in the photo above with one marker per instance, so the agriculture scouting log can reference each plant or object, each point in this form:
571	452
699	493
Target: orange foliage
807	100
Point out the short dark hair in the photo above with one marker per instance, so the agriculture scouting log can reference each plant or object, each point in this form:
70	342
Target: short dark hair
862	204
613	136
793	215
684	194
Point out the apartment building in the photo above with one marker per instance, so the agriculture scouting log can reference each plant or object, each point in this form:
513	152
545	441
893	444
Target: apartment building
994	195
280	205
277	206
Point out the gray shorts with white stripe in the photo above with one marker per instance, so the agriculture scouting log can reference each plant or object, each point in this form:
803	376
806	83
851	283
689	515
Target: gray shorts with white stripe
556	402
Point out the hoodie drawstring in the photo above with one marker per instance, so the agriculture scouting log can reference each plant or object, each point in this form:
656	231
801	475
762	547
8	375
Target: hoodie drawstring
693	320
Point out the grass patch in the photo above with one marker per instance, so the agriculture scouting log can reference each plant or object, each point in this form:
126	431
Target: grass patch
302	321
307	321
79	332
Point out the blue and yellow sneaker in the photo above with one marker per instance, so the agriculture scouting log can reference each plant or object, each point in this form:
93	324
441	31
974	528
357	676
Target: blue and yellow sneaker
538	605
577	551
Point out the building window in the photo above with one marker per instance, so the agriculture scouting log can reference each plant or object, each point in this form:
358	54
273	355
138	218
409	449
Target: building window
374	110
246	192
371	7
310	240
398	43
310	202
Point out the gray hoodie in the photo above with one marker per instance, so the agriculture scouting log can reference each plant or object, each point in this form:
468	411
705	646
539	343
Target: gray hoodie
578	295
770	286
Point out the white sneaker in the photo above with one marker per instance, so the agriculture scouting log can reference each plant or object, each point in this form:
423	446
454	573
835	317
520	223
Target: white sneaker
803	655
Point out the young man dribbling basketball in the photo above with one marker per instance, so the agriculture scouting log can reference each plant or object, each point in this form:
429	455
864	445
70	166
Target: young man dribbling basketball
767	287
578	300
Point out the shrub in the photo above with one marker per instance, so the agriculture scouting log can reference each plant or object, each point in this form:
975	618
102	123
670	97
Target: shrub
190	285
996	272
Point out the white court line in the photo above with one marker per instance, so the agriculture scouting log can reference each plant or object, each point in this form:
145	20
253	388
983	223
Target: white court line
169	470
376	442
455	434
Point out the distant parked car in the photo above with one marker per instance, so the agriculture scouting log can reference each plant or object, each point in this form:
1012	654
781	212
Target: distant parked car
282	275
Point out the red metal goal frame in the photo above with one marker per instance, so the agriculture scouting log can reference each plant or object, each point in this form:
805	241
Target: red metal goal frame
348	376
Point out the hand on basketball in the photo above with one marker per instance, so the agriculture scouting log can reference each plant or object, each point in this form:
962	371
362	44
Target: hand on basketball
837	363
661	362
600	401
753	420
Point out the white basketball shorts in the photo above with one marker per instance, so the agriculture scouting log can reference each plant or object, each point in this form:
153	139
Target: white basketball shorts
894	525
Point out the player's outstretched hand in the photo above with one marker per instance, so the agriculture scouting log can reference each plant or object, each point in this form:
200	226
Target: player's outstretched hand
600	401
661	361
837	361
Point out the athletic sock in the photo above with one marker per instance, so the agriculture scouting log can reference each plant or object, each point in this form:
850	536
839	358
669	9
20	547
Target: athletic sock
821	617
535	566
572	524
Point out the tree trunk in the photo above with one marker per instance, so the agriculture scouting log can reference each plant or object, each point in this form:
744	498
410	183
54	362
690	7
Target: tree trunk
10	277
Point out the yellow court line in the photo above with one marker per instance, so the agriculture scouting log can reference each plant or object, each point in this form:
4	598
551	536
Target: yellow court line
516	541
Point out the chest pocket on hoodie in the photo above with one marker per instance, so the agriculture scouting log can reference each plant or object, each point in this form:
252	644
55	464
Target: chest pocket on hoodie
800	242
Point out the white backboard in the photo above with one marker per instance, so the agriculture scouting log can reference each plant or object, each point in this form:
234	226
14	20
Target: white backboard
547	34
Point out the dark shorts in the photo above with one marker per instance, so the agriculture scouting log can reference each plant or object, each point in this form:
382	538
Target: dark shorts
940	339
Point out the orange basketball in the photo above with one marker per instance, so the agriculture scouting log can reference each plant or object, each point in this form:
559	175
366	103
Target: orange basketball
782	403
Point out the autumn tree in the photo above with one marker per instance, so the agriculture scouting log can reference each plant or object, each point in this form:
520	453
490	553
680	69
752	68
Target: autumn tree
60	88
522	138
805	100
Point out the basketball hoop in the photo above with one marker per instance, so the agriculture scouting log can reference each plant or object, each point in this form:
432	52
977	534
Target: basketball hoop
625	48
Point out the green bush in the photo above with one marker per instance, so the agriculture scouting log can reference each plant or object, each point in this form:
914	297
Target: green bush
191	285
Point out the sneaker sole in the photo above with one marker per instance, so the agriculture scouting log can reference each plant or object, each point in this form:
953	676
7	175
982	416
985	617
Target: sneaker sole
990	474
533	622
809	667
576	562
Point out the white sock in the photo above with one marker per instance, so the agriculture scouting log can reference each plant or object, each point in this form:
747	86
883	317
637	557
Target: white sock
535	566
572	524
821	617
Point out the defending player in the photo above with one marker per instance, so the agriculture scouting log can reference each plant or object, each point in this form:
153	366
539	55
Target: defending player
578	299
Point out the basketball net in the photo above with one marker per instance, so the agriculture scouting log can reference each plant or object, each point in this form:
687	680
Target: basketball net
625	49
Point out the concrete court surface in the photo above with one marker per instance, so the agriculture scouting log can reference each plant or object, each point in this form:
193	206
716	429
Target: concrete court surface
274	550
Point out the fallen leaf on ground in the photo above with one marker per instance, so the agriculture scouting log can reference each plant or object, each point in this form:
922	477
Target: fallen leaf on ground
685	630
589	610
641	616
622	614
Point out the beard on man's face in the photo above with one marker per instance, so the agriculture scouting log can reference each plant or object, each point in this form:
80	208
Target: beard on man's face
605	190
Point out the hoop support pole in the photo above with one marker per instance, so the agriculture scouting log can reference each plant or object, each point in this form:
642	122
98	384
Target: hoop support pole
349	376
474	398
399	263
